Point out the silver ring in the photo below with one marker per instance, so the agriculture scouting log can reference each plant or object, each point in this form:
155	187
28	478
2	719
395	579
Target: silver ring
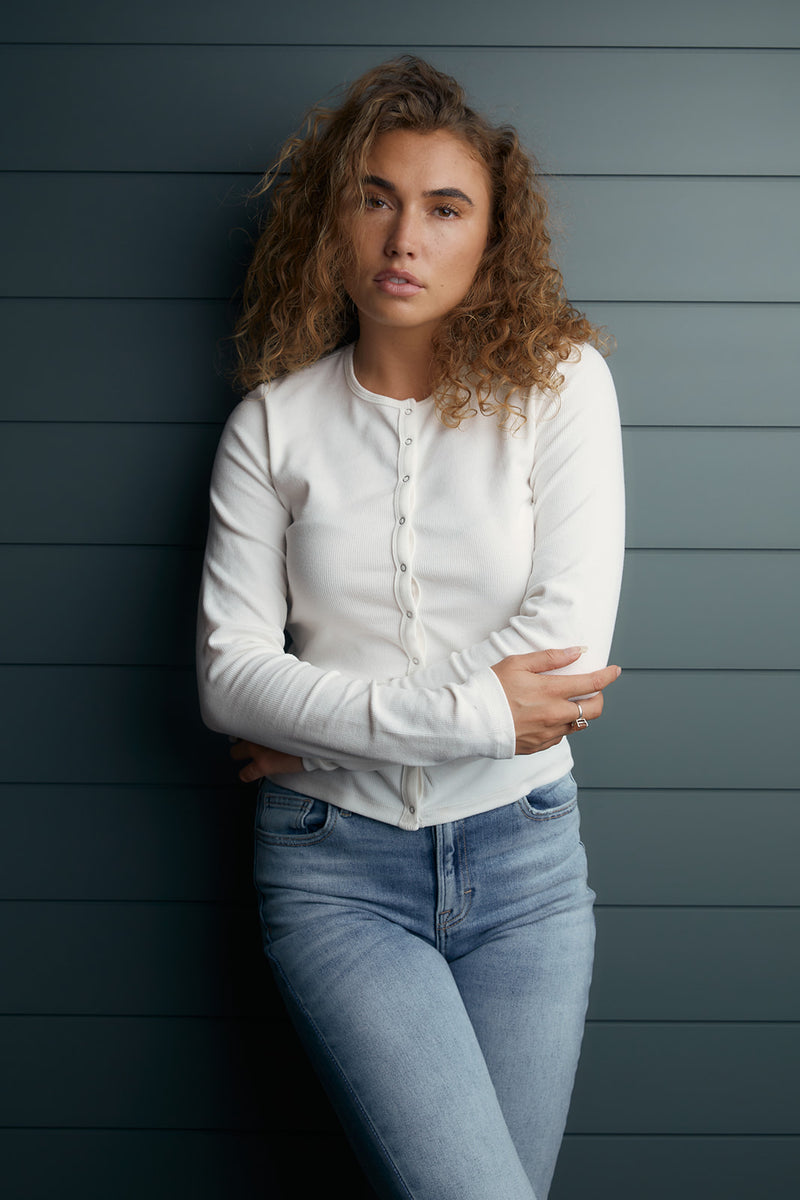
580	721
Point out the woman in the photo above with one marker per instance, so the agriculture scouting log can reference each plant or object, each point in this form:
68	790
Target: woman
424	491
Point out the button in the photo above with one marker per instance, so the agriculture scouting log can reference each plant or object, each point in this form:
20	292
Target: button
409	441
402	521
406	478
408	412
415	661
409	613
411	808
403	567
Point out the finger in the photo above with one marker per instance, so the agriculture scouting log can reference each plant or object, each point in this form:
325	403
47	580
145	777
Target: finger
583	685
584	712
243	750
590	709
554	659
560	722
250	773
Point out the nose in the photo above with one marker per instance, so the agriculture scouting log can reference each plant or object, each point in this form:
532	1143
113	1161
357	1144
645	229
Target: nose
403	236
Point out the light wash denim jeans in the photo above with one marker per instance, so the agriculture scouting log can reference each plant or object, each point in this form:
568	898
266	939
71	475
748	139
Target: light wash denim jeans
439	980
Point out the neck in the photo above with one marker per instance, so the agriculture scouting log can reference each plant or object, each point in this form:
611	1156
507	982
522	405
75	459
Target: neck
394	362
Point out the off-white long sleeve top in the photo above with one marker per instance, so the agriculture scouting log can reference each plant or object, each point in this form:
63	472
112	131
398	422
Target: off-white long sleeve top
404	558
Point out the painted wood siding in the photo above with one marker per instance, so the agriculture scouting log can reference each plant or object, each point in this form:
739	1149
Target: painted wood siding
144	1050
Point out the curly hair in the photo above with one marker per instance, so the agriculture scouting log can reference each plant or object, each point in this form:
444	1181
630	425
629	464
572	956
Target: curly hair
515	324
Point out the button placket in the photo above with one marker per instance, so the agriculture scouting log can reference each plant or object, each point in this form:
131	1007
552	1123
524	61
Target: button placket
405	587
411	789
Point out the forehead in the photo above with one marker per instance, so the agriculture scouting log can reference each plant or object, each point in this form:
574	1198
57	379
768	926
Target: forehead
427	160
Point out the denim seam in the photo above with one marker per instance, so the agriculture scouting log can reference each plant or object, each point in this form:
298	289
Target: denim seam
467	893
333	1059
532	815
301	839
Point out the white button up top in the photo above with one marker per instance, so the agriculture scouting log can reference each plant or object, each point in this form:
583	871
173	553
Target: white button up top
404	558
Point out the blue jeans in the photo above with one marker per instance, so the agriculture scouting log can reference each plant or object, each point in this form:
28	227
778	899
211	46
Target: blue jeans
439	980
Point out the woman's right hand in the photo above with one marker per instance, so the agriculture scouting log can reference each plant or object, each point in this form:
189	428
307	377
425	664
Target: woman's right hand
261	760
541	704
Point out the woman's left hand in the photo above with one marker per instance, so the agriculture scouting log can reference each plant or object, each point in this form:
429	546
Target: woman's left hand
263	761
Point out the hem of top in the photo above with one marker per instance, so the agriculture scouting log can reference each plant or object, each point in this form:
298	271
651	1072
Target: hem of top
446	814
508	795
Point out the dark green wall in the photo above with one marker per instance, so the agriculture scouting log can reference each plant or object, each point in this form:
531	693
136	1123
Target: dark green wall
144	1052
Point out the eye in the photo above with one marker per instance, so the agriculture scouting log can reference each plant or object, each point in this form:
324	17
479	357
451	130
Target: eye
371	201
447	211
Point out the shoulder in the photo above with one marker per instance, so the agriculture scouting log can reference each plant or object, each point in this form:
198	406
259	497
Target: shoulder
290	400
585	369
304	387
586	385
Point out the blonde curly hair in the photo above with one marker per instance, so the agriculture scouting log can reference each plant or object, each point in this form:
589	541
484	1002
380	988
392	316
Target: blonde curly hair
515	324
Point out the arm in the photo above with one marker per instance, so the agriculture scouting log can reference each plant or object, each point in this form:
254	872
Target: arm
251	688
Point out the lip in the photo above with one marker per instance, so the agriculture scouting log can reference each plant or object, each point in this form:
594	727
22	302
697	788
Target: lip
398	283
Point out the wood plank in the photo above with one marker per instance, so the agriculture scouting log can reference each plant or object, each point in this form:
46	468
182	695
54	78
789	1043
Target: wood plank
136	605
147	484
229	108
661	1168
688	364
129	959
663	622
120	360
203	960
166	1164
679	239
139	725
692	847
515	22
687	964
712	488
163	235
149	717
163	1073
686	1078
158	1073
162	360
139	843
207	1165
106	483
99	604
158	236
692	729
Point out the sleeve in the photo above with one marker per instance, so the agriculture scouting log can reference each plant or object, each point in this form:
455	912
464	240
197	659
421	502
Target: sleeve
579	534
250	687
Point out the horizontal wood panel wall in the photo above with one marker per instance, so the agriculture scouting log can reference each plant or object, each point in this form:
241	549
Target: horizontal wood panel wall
774	23
138	1023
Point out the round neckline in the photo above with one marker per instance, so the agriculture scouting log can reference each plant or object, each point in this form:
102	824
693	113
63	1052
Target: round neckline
365	394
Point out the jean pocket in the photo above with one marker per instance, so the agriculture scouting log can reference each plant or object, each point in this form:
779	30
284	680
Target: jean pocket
288	818
551	800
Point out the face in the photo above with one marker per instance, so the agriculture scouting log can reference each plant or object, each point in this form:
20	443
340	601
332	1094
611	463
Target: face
422	232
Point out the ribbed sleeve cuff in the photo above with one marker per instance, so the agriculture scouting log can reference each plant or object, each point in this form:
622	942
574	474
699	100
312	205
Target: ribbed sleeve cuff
499	719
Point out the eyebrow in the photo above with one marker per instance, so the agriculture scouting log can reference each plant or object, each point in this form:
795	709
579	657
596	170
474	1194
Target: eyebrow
450	193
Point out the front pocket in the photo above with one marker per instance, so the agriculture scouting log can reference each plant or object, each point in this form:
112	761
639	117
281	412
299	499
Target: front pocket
285	817
552	800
